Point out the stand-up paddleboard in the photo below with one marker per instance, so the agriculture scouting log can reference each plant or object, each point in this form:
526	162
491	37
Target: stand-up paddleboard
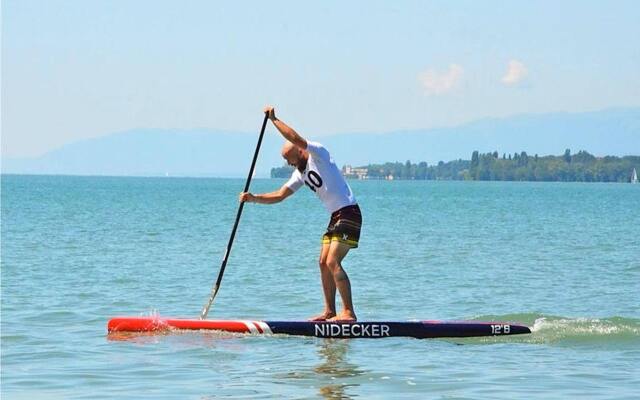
328	329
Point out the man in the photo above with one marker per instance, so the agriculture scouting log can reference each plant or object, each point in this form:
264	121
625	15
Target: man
315	168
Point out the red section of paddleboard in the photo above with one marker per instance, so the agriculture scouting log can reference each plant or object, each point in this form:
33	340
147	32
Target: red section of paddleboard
150	324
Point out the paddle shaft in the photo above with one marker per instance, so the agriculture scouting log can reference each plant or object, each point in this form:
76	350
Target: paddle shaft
216	287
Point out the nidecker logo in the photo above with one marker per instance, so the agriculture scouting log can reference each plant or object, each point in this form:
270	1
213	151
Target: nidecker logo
351	330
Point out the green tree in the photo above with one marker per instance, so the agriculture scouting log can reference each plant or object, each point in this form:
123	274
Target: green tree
583	157
421	171
475	159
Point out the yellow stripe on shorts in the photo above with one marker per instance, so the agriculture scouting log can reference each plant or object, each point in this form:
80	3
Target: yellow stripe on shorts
326	239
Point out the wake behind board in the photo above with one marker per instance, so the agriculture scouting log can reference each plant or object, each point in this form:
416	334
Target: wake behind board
329	329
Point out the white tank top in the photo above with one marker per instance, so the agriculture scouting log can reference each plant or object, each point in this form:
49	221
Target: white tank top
323	177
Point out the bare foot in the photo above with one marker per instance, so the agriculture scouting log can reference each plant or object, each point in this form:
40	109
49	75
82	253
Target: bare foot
323	317
344	316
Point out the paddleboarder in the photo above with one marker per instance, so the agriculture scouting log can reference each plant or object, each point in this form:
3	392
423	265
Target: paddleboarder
315	168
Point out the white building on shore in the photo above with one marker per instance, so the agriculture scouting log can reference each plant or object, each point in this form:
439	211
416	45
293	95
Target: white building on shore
355	173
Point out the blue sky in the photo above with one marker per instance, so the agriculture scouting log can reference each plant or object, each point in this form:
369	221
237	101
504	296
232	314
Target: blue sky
73	70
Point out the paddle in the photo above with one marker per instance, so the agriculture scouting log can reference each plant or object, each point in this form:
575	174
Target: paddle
216	287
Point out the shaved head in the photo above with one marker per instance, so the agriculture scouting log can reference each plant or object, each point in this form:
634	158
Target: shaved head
286	148
294	155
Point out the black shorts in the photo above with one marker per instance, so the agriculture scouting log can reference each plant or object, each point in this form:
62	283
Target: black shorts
344	226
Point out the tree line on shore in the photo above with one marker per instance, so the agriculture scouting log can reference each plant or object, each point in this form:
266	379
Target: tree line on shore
578	167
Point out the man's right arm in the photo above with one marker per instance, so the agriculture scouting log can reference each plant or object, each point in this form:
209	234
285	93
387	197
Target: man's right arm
266	198
285	130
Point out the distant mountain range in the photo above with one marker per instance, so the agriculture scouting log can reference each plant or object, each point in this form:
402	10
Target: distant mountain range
157	152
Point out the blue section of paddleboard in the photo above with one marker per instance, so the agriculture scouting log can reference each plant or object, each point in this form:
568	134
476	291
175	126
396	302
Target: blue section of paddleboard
415	329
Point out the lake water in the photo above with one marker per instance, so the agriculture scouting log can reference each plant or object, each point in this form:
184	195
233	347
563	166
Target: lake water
562	258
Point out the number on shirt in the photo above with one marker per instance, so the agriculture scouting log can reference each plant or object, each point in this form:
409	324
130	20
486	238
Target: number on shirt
316	180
